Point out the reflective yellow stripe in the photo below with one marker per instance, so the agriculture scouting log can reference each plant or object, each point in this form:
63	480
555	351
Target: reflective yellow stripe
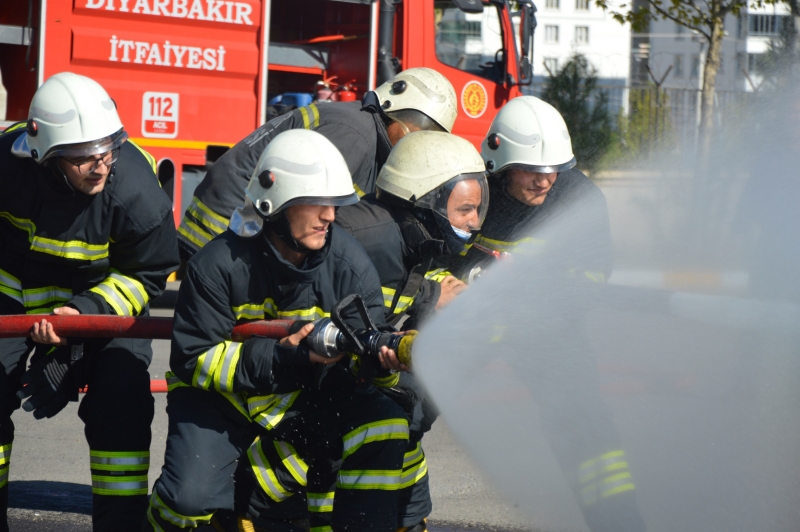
11	286
402	303
437	275
174	517
369	479
358	190
72	249
14	127
119	460
150	159
315	112
412	456
119	485
388	429
604	476
271	414
217	366
265	475
215	223
413	474
292	461
3	476
321	502
114	299
174	382
20	223
324	528
5	454
192	232
260	311
386	382
502	245
304	114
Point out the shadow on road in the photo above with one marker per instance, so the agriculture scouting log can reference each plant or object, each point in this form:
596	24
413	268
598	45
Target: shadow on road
50	496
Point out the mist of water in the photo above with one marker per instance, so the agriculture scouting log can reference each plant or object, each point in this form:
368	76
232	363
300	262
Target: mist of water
691	353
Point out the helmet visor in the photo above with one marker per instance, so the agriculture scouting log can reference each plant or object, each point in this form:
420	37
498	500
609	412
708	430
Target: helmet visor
86	149
463	201
411	120
541	169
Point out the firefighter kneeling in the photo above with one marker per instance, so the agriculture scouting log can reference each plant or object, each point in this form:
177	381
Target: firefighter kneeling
282	258
85	230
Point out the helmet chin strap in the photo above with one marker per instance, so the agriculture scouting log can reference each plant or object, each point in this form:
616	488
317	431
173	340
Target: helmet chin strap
281	228
57	170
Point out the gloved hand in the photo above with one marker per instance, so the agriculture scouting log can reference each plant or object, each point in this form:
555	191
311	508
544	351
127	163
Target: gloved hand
49	382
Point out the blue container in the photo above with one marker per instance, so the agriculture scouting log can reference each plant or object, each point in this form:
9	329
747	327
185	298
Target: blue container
292	99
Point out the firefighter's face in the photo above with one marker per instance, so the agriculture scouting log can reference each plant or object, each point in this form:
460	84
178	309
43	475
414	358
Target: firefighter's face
530	188
463	205
93	182
309	224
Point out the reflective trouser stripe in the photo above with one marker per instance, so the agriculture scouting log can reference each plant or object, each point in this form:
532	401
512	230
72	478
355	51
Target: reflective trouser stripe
175	518
217	366
292	462
265	475
72	249
389	429
320	502
413	474
606	488
4	475
121	485
120	460
273	414
5	453
367	479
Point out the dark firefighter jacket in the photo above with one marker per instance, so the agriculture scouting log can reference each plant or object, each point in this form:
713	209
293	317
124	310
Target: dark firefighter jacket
399	247
109	253
509	223
358	134
236	279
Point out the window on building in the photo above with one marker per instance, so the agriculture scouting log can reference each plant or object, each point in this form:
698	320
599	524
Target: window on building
677	66
468	41
551	34
552	4
695	73
582	34
551	65
581	5
754	62
765	24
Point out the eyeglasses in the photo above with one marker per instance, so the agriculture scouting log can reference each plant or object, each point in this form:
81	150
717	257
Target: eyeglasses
88	165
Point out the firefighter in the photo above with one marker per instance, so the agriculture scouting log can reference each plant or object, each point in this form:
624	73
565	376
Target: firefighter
431	197
85	229
281	258
416	99
533	179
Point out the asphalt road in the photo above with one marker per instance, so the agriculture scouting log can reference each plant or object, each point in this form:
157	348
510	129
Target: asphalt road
50	483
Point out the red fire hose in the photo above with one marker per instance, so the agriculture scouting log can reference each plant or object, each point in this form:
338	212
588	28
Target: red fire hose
91	326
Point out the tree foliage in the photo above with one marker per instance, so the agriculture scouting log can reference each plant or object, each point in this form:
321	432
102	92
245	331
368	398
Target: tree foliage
573	91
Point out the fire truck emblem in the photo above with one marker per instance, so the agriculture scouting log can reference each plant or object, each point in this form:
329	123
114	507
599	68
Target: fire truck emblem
473	99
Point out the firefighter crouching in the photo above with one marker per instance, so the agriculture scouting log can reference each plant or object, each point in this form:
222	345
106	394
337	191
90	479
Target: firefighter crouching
85	229
528	153
364	132
431	198
281	258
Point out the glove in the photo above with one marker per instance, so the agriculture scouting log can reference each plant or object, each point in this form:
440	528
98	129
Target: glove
49	382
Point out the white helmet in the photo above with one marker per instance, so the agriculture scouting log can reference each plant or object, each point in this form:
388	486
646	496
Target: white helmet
419	90
72	116
424	166
530	134
300	166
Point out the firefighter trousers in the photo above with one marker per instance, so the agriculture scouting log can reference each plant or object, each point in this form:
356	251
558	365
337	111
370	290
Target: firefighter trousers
353	443
117	412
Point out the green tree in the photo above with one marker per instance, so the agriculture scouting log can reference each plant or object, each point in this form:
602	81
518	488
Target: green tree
573	91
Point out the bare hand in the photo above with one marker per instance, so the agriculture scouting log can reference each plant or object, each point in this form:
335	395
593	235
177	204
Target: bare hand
389	360
294	340
43	333
451	287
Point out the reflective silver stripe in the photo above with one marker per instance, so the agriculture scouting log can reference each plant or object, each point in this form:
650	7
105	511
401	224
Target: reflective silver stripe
20	223
382	480
611	461
208	218
37	296
227	368
413	475
190	231
174	517
119	486
296	466
606	488
412	456
260	403
320	502
116	301
5	453
265	475
208	361
135	290
10	286
382	430
120	460
73	249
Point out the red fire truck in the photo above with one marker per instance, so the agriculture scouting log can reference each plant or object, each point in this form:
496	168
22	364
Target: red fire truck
192	77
